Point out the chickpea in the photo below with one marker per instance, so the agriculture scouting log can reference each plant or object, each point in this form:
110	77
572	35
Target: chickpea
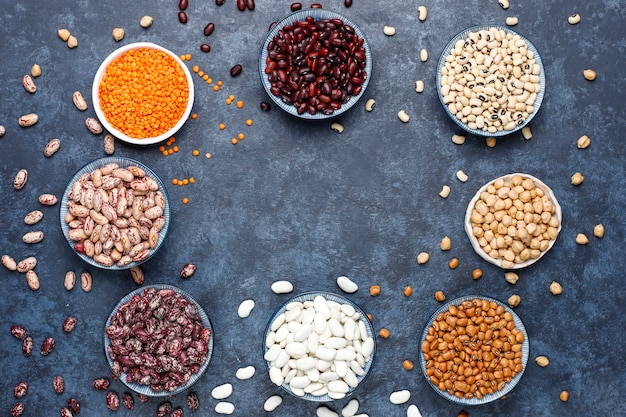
370	317
542	361
581	239
445	243
514	300
511	277
375	290
422	258
384	333
598	230
555	288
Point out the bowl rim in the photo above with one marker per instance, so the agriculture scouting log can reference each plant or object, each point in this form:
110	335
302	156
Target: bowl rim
509	385
206	321
542	79
316	14
309	296
468	223
123	162
96	102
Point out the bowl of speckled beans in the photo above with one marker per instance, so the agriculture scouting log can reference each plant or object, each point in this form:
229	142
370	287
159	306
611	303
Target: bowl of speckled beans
490	80
142	93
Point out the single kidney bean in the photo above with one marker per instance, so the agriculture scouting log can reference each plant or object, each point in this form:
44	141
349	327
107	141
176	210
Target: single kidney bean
113	401
205	47
73	405
208	29
236	70
182	17
47	346
316	6
241	5
58	383
27	346
128	401
21	388
250	4
220	2
265	106
347	3
19	332
296	6
182	4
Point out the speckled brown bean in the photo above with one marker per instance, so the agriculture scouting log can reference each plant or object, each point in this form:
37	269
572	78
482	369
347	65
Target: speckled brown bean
28	120
33	237
32	279
47	346
142	398
79	101
66	412
48	199
69	324
20	179
113	401
21	388
127	400
58	383
18	409
9	263
192	401
26	264
188	270
27	346
29	84
137	274
164	409
86	281
51	148
70	280
101	384
108	143
182	17
93	125
178	412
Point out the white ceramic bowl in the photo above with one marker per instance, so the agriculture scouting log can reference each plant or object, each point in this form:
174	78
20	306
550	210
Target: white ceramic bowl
317	14
442	61
474	241
122	162
310	296
145	389
96	101
509	385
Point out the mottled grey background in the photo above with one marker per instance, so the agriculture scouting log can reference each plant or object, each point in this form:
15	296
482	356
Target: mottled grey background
297	201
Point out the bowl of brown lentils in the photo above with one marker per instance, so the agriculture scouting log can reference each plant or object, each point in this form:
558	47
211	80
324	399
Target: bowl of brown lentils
490	80
513	221
315	64
474	350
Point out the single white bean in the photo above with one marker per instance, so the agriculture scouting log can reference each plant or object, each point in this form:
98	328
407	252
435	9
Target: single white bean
324	411
272	403
445	191
350	409
224	407
458	139
222	391
403	116
282	287
423	55
245	308
461	176
422	13
246	372
347	285
419	86
512	21
400	397
389	30
413	411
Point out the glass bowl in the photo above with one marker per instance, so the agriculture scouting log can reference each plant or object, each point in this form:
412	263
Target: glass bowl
308	298
509	385
96	99
123	163
134	335
299	16
500	261
463	35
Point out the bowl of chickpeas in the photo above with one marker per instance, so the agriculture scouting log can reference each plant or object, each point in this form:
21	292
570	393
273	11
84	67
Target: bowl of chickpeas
474	350
513	221
142	93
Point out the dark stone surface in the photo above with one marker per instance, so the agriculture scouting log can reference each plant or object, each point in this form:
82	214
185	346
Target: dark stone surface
297	201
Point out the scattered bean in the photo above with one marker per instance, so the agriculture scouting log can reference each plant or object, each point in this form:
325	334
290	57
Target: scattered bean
281	287
93	125
79	101
222	391
581	239
389	30
100	384
224	407
375	290
413	411
408	291
118	34
9	263
47	346
51	147
347	3
164	409
27	346
20	179
208	29
514	300
245	308
407	365
205	47
146	22
337	127
511	277
351	408
3	131
245	373
316	6
29	84
127	401
589	74
400	397
458	139
73	405
26	264
182	4
193	402
28	120
542	361
295	6
445	191
347	285
583	142
556	288
188	270
17	409
461	176
440	296
422	258
564	396
236	70
419	86
33	237
422	13
58	384
453	263
86	281
526	133
384	333
504	4
182	17
70	280
35	70
598	231
250	4
69	324
113	401
512	21
445	243
265	106
19	332
64	34
219	2
72	42
324	411
108	144
477	273
573	19
20	390
403	116
48	199
423	55
491	142
577	179
370	104
137	274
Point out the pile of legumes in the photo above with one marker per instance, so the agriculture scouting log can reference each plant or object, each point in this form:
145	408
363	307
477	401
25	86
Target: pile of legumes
143	93
316	65
490	80
514	220
473	349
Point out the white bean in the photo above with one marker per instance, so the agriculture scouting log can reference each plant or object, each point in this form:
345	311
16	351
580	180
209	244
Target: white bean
272	403
324	411
458	139
512	21
445	191
422	13
461	176
282	287
347	285
403	116
389	30
244	373
419	86
224	407
222	391
413	411
400	397
350	409
423	55
245	308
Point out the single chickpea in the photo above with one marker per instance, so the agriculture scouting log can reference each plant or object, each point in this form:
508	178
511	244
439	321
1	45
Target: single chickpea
542	361
453	263
384	333
407	364
477	273
556	288
514	300
422	258
375	290
408	291
445	243
440	296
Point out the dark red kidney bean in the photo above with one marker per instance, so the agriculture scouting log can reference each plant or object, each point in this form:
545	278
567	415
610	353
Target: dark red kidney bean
250	4
316	6
271	26
236	70
265	106
208	29
182	4
220	2
205	47
182	17
73	406
241	5
296	6
347	3
47	346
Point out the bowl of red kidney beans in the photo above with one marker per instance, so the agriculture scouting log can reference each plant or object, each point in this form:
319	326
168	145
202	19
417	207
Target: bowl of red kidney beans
315	64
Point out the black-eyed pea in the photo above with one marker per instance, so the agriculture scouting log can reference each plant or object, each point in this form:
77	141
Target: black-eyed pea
370	104
337	127
573	19
403	116
504	4
511	21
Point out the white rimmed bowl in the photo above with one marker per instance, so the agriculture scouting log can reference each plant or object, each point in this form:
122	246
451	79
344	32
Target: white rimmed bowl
442	61
310	296
499	261
204	318
317	14
96	100
123	163
509	385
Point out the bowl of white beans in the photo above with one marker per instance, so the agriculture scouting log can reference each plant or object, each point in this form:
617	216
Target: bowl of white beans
513	221
490	80
319	346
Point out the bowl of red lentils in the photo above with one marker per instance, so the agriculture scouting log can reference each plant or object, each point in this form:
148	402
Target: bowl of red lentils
142	93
